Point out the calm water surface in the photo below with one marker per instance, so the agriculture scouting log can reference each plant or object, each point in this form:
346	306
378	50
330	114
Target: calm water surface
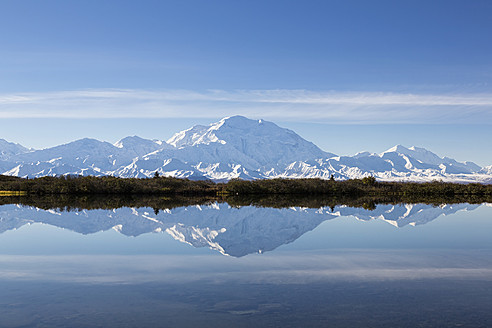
408	265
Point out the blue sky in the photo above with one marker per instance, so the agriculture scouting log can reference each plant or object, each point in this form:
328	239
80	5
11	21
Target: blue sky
347	75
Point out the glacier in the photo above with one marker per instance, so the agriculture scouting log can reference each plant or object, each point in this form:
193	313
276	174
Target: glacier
234	147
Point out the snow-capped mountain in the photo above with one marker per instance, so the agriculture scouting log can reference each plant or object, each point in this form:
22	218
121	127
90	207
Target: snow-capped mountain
263	141
9	149
234	147
81	157
228	230
486	170
136	146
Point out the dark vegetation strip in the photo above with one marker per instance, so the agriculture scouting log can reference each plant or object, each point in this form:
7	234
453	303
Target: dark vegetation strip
90	185
68	185
63	203
107	202
366	202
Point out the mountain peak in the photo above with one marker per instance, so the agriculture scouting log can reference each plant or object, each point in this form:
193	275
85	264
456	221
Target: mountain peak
132	141
201	134
418	157
235	118
239	123
84	142
238	120
137	146
9	149
363	154
263	141
397	149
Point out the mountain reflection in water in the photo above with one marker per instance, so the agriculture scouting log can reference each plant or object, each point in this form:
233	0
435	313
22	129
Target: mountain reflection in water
398	265
229	230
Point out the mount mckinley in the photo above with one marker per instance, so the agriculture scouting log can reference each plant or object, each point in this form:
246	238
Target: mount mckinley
234	147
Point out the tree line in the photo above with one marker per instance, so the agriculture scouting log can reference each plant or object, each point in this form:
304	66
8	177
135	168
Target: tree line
368	186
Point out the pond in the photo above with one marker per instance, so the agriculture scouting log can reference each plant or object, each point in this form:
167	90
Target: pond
219	265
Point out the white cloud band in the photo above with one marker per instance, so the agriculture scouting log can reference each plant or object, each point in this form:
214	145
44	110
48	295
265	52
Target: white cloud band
334	107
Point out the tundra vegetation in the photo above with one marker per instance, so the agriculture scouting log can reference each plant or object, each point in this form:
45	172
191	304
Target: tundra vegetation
67	192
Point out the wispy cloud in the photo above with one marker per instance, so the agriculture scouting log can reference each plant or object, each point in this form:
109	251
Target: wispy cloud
305	105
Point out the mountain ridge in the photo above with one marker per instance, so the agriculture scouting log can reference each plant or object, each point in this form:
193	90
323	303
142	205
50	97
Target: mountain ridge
233	147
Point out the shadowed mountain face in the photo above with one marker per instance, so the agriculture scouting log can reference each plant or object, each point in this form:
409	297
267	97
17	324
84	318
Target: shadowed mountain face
229	230
234	147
